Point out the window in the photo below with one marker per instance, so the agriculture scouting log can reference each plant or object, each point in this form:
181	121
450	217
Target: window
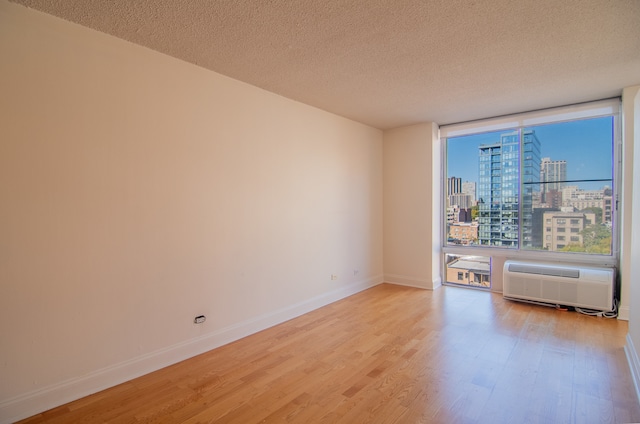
525	176
468	270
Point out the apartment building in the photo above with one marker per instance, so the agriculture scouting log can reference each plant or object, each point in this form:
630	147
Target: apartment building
581	199
464	232
562	229
470	271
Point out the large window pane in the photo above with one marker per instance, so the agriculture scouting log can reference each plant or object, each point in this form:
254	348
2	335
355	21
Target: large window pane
545	187
486	211
573	193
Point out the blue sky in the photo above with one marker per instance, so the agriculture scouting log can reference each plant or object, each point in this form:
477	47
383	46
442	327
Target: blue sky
585	145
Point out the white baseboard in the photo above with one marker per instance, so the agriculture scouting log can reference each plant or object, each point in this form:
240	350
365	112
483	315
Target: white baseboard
40	400
405	280
436	283
623	313
634	364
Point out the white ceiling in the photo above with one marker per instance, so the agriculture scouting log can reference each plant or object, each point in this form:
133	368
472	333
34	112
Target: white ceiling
389	63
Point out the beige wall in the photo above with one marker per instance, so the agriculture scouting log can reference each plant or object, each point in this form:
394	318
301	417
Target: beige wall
412	206
630	128
630	266
138	191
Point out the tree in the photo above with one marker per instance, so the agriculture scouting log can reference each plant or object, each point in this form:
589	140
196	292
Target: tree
596	210
572	247
596	238
474	212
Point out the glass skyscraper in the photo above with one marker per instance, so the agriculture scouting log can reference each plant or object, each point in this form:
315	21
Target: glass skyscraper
500	218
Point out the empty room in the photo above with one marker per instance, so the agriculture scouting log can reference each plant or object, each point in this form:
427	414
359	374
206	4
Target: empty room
319	212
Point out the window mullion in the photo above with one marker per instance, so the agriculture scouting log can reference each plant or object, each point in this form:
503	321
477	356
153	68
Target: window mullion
521	154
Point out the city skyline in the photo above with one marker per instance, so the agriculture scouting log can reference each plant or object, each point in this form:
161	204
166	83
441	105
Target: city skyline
583	144
523	187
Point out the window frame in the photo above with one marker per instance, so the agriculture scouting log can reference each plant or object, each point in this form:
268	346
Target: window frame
601	108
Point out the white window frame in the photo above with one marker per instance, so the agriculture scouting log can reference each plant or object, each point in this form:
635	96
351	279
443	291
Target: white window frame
596	109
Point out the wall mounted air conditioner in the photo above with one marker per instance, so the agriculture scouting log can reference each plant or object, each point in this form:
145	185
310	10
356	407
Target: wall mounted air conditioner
579	286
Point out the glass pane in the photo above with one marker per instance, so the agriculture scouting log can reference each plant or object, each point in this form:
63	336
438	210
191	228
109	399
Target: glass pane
483	181
567	203
468	270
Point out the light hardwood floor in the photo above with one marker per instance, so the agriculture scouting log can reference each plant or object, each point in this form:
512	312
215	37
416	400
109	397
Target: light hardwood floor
392	354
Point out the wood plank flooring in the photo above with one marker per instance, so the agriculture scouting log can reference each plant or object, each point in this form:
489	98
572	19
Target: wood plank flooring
392	354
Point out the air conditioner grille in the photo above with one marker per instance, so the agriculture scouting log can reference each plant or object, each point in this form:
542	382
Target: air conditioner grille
542	270
586	287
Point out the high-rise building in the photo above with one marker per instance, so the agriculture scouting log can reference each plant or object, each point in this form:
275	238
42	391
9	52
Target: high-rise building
454	185
460	199
553	174
498	189
469	187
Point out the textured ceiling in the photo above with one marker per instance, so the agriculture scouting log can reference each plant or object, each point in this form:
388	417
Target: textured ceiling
389	63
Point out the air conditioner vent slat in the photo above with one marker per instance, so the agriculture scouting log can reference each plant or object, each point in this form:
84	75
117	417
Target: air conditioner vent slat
543	270
579	286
